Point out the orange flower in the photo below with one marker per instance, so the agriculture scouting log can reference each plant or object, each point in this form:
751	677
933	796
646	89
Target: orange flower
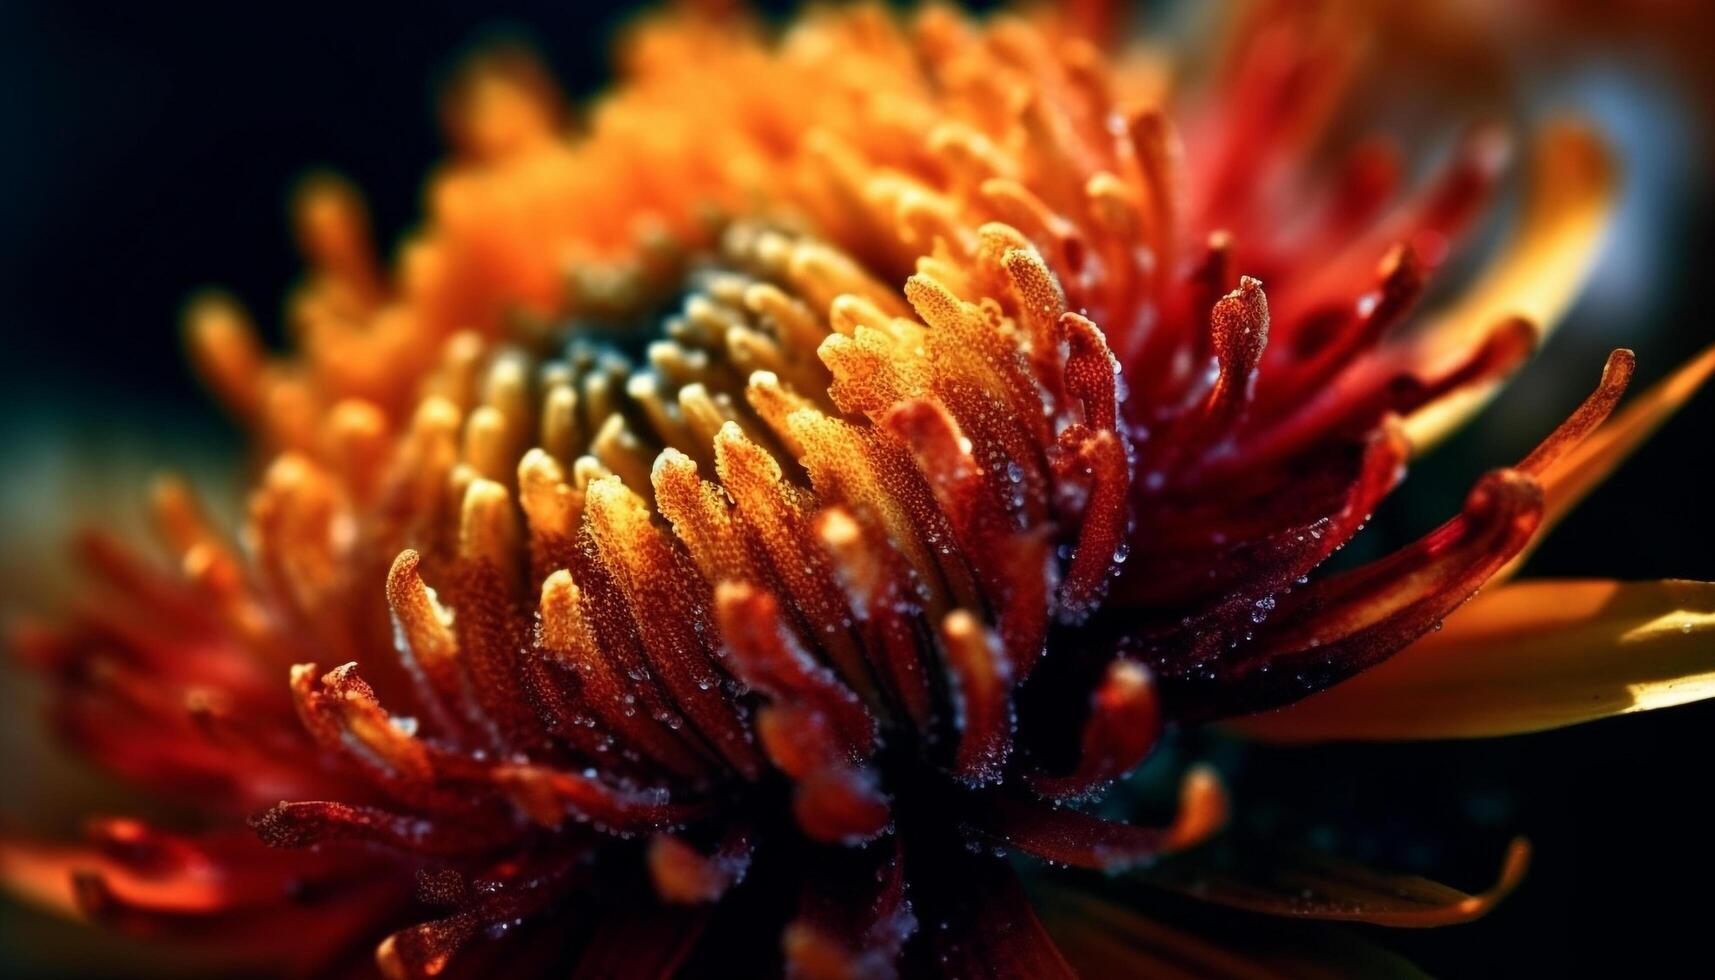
727	529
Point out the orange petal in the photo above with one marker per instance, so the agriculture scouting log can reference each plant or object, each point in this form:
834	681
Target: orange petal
41	874
1319	886
1124	724
1115	938
1526	657
1067	836
1572	188
682	873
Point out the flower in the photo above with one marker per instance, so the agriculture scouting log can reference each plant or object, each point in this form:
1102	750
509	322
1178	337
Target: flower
643	576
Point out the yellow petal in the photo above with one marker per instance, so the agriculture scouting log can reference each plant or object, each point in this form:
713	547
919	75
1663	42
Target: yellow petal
1523	658
1570	191
1584	467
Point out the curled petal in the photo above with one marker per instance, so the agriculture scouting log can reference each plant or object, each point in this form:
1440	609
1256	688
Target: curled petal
774	511
1124	722
841	805
1582	467
488	629
1350	622
1237	332
427	644
1571	192
1332	341
980	508
1066	836
1103	938
1525	657
509	895
341	712
1239	335
799	740
656	577
228	356
425	949
567	636
683	874
982	683
1090	372
1207	553
882	600
769	659
853	921
1322	887
1365	393
1616	374
46	875
1098	458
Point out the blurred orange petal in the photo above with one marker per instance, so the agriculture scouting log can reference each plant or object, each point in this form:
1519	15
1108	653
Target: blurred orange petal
1572	189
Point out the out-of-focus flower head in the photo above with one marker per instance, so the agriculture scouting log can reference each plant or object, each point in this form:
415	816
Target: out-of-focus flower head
732	526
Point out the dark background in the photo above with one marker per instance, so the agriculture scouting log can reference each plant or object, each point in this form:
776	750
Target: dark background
146	152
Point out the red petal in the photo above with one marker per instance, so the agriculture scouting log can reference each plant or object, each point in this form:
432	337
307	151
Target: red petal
513	892
981	925
982	690
683	874
840	805
768	658
425	949
1098	460
1138	935
1279	535
228	894
306	824
1591	413
1322	887
853	919
641	944
550	796
1124	723
1334	628
1067	836
1090	371
885	604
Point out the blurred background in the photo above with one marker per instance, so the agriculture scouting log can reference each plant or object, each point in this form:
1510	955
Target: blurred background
150	152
